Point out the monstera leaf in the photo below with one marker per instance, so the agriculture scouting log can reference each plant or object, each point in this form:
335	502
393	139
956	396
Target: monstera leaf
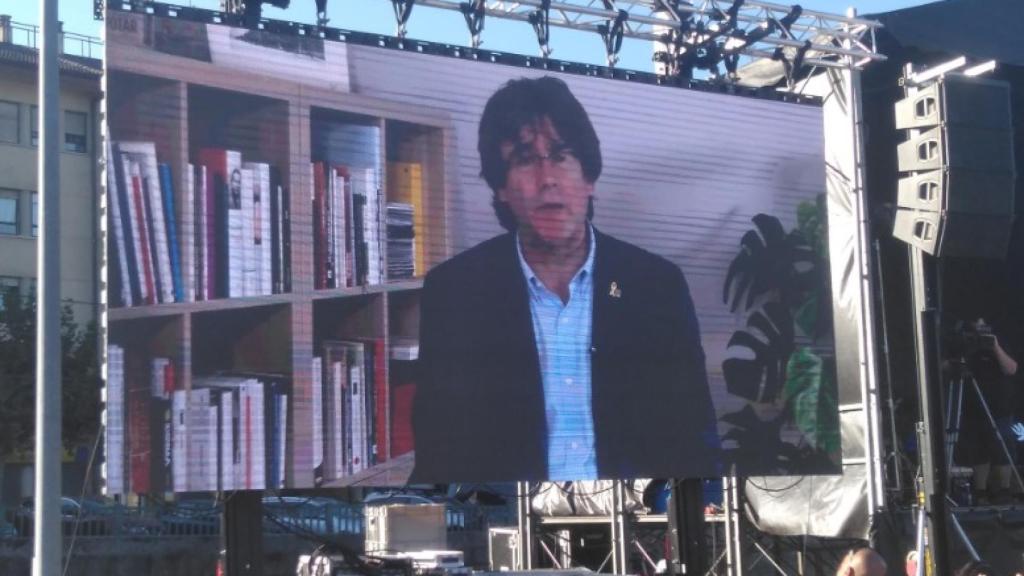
760	448
812	395
744	376
769	260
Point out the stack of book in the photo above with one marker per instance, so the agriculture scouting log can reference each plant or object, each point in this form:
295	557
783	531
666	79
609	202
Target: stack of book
228	433
405	186
231	222
401	241
238	434
350	396
113	421
347	239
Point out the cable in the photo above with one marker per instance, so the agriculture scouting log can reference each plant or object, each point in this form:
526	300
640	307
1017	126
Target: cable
81	498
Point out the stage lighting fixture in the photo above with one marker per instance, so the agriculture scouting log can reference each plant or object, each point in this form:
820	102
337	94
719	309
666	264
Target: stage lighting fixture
321	12
252	10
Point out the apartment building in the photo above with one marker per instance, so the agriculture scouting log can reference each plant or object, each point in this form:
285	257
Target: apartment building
79	170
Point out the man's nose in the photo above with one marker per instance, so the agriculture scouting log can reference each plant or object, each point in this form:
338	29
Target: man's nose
545	168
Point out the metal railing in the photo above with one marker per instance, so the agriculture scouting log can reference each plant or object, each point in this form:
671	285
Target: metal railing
311	517
74	44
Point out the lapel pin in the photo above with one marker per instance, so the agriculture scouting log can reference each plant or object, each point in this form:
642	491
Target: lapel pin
614	291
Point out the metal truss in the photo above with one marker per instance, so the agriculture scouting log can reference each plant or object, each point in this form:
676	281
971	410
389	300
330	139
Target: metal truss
750	28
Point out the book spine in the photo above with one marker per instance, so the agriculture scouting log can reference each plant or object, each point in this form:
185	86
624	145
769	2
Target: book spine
286	240
282	440
319	261
381	450
180	459
115	229
318	418
124	201
151	182
188	234
167	187
154	248
143	236
246	236
213	244
265	238
114	424
276	226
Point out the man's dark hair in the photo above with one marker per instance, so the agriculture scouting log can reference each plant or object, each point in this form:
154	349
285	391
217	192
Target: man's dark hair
525	101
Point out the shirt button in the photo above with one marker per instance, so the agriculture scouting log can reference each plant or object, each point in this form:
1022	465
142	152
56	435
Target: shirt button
569	381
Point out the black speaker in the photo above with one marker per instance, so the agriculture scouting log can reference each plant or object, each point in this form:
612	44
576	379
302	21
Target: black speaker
959	199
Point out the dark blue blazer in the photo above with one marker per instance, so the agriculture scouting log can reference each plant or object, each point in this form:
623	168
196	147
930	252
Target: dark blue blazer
479	409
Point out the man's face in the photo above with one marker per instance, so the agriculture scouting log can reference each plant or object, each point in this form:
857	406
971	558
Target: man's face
545	187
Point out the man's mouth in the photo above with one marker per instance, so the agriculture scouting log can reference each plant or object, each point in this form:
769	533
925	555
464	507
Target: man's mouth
550	207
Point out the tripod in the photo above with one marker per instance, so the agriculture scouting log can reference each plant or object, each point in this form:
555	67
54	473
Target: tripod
963	378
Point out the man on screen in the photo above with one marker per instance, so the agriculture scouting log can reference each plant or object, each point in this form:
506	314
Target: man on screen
556	352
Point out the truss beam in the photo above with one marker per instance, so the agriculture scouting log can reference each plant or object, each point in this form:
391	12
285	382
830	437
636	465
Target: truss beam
835	41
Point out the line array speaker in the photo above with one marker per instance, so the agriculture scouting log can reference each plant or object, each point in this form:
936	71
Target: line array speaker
958	199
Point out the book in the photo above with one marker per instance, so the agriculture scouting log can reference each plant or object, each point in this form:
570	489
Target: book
380	398
179	441
203	447
402	396
144	154
319	415
120	277
170	223
249	249
123	200
225	180
114	422
141	233
188	236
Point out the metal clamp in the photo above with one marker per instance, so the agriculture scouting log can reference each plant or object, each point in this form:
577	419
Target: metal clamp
474	14
541	21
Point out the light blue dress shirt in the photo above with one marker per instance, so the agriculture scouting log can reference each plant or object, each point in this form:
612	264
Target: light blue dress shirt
563	338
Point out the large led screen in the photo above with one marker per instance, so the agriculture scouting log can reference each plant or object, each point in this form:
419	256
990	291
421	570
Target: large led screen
333	263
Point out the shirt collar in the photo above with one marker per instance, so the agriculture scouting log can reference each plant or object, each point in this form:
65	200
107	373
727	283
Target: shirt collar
585	271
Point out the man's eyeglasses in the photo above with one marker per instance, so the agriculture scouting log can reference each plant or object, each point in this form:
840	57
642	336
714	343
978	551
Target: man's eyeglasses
558	156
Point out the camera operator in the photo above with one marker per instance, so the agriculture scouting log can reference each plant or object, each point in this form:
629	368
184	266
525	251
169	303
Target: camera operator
994	370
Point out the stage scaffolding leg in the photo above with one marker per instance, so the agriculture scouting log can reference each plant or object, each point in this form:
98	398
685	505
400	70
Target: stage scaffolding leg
733	528
525	518
620	538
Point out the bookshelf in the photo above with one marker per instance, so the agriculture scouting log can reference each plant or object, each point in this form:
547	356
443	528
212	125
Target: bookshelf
184	106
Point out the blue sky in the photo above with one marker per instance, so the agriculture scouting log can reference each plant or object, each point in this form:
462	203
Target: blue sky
434	25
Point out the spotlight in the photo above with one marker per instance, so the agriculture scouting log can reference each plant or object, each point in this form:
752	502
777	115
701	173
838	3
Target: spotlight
321	12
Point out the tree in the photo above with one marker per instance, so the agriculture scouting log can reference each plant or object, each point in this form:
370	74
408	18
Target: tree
80	378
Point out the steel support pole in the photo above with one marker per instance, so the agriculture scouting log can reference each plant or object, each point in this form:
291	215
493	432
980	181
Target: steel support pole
47	545
620	529
525	518
932	430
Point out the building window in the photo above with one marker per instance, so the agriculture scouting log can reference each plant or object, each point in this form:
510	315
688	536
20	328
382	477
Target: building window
75	131
9	288
9	115
8	212
33	126
35	214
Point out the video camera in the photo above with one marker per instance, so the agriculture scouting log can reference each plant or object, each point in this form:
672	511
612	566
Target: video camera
970	338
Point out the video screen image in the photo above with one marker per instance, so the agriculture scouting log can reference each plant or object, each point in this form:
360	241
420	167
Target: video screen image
334	264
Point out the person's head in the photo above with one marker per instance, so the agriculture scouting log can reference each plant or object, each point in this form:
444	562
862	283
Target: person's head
540	156
862	562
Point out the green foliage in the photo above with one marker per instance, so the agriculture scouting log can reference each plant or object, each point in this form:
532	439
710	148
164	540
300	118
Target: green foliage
780	280
79	373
